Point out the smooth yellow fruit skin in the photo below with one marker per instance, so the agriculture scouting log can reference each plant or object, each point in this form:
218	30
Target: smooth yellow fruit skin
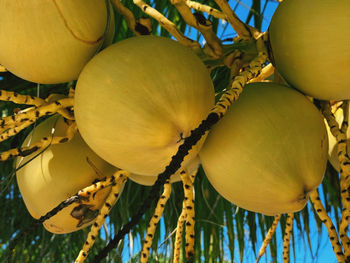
150	180
147	180
268	152
57	174
310	43
138	98
49	41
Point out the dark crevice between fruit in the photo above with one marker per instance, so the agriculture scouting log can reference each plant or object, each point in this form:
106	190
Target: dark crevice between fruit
143	30
84	214
269	49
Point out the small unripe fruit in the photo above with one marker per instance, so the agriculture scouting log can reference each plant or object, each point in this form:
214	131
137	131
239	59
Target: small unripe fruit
57	174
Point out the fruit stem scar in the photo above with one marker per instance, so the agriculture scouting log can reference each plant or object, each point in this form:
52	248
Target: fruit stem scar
181	137
89	42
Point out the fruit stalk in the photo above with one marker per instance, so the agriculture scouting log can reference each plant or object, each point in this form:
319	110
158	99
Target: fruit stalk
9	129
128	15
154	221
332	233
268	237
21	99
180	223
207	9
34	114
167	24
179	231
190	214
266	72
286	239
232	94
103	213
39	146
241	28
344	160
200	23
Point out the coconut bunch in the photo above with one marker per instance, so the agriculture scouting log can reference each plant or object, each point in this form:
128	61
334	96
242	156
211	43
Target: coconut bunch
144	108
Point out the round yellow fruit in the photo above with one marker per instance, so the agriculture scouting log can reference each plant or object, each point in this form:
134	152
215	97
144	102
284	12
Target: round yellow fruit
150	180
137	99
50	41
310	43
269	151
59	173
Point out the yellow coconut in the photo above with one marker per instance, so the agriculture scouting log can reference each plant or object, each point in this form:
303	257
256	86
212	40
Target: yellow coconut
137	99
57	174
269	151
150	180
333	145
50	41
310	43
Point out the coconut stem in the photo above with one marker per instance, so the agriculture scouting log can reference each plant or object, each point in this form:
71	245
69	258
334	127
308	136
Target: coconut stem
41	145
241	28
268	237
200	23
18	122
21	99
128	15
286	239
207	9
340	135
66	113
179	231
232	94
190	214
103	213
266	72
167	24
332	233
154	221
181	221
83	196
17	98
